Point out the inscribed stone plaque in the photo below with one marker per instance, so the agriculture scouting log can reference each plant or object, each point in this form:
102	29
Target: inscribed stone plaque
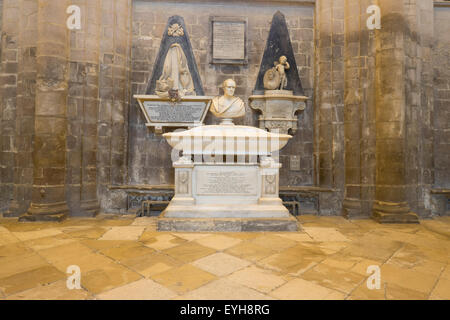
183	112
227	181
294	163
228	39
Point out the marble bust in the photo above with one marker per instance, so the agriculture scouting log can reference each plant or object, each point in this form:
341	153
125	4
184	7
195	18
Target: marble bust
228	106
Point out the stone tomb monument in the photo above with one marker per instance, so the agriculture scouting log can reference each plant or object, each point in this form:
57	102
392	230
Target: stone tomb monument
174	96
278	93
227	178
277	105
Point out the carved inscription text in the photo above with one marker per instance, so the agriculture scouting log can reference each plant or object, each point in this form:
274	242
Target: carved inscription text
184	112
227	181
228	40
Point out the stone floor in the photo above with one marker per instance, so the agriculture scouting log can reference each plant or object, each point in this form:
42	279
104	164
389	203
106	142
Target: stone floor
125	258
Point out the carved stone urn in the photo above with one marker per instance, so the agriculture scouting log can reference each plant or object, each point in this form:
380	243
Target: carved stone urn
278	110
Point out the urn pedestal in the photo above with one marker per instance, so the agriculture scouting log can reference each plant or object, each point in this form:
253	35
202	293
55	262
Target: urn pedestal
278	110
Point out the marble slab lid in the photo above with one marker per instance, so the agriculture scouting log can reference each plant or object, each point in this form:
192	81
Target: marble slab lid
271	141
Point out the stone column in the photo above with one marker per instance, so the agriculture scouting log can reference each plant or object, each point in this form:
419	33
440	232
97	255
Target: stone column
83	110
49	154
419	42
359	111
8	98
26	24
390	190
329	104
440	113
114	94
352	110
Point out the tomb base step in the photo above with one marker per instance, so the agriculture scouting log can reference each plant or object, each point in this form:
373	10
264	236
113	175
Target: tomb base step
274	210
227	224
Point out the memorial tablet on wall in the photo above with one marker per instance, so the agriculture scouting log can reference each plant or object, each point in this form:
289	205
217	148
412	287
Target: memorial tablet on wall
228	40
159	113
174	97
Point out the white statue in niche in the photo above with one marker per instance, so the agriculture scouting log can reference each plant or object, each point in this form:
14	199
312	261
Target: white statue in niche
175	76
275	78
228	106
281	68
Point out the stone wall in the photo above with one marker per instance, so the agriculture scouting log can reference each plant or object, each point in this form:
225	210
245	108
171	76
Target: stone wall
419	102
17	91
83	102
441	112
1	16
25	109
83	110
441	119
329	106
114	99
373	140
149	154
3	201
359	111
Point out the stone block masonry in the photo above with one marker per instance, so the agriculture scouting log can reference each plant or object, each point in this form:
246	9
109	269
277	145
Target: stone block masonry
149	21
373	140
83	111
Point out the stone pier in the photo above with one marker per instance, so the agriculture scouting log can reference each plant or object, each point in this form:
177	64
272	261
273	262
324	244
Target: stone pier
391	108
50	126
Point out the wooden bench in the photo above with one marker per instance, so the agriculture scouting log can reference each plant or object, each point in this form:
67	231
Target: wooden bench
147	204
295	206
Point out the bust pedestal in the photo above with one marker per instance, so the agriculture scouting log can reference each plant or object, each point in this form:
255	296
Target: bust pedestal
226	180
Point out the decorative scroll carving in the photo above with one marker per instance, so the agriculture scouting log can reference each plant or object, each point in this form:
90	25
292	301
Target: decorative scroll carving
270	185
278	109
183	179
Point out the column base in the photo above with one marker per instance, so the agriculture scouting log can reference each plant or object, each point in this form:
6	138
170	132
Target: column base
89	208
16	209
10	214
42	217
46	212
351	209
389	212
